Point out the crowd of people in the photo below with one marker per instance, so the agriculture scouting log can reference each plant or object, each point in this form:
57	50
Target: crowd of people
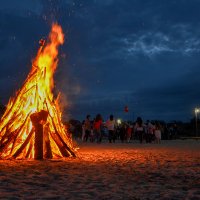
145	132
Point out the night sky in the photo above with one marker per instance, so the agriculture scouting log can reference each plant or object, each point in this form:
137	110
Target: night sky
141	53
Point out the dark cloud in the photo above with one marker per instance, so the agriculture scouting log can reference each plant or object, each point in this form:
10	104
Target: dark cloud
140	53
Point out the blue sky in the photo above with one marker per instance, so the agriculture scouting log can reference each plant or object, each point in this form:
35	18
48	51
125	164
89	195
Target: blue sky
140	53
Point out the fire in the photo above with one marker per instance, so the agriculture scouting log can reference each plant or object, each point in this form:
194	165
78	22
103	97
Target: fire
31	126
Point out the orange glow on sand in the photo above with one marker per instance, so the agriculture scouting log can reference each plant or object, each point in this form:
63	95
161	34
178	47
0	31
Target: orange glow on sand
17	133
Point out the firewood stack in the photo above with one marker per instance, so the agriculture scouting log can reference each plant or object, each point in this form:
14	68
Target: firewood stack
31	126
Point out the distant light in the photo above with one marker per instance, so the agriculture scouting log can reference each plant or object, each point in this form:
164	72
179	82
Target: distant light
119	121
197	110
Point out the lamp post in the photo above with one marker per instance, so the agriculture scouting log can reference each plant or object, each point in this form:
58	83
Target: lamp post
197	110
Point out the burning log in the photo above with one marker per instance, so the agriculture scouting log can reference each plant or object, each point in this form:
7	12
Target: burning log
47	144
18	152
31	126
38	119
42	42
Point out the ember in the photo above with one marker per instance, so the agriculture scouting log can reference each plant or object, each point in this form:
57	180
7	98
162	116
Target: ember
31	126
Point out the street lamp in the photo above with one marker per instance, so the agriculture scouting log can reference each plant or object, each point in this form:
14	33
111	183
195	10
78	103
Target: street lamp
197	110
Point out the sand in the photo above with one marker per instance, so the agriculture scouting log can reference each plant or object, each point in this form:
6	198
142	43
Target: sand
170	170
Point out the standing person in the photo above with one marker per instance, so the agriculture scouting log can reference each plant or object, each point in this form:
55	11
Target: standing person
92	136
97	128
128	133
110	124
123	132
157	133
150	132
87	127
139	128
83	130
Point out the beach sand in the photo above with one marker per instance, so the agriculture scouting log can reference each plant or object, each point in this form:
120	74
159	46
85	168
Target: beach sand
170	170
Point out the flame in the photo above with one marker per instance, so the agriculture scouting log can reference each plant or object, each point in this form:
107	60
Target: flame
16	128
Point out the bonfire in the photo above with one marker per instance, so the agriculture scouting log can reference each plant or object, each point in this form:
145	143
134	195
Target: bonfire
32	126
